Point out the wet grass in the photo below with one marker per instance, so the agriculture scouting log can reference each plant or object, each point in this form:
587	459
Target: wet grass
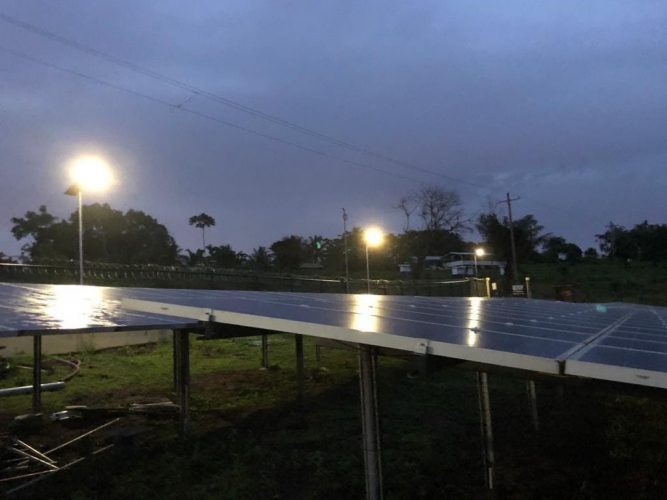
250	438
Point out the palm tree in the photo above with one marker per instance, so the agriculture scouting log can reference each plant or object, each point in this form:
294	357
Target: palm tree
202	221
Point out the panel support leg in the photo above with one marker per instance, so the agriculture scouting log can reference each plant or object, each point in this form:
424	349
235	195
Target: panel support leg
486	429
182	376
369	423
532	399
265	352
36	373
300	384
175	353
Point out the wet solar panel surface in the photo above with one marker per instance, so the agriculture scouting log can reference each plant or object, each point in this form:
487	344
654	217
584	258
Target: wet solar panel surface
613	335
36	307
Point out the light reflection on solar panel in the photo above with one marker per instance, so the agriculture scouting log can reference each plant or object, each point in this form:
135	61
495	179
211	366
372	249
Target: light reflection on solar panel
71	307
474	315
365	317
37	307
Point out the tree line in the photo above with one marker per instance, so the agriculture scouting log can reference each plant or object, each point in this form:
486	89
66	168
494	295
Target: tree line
134	237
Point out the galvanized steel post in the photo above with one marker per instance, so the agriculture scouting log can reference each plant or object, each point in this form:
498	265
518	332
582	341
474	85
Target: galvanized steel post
369	423
298	344
486	428
37	373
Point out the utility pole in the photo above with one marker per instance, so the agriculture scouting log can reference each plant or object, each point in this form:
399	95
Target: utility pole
515	272
347	267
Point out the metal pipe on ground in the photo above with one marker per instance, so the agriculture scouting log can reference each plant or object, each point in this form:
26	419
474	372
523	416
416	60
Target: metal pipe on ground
28	389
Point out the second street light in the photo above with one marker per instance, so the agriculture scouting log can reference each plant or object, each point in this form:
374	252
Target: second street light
373	237
479	252
90	174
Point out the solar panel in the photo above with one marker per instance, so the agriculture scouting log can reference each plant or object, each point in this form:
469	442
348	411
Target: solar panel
26	308
635	351
620	342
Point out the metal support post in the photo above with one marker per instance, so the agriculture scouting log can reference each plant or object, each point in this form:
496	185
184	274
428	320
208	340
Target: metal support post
265	352
182	346
36	373
370	427
298	344
532	398
175	353
529	292
488	286
486	428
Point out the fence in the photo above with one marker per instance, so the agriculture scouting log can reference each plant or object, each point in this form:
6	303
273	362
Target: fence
179	277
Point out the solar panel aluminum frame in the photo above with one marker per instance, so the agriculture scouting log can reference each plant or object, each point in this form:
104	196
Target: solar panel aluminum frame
615	373
377	339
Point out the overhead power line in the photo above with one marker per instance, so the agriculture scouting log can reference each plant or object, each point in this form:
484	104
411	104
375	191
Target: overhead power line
225	101
183	109
195	91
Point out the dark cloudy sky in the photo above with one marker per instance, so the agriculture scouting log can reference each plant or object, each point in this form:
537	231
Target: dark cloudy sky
561	103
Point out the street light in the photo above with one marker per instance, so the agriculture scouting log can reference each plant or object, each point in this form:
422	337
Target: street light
373	237
479	252
88	173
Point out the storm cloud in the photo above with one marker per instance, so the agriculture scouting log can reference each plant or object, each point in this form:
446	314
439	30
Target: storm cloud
561	103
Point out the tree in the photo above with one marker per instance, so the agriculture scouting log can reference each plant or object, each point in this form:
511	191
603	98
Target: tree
643	242
590	253
407	204
108	234
194	259
556	246
6	259
32	223
223	256
202	221
144	240
289	252
615	242
441	209
315	249
527	236
260	259
49	237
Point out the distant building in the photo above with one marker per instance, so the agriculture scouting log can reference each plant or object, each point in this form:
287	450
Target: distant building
431	262
463	264
405	268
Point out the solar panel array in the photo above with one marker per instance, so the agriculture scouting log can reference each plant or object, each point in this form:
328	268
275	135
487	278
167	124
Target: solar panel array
620	342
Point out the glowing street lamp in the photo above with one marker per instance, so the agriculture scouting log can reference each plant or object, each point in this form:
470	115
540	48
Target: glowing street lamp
88	173
373	237
479	252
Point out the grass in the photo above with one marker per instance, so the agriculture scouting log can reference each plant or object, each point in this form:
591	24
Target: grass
251	439
602	281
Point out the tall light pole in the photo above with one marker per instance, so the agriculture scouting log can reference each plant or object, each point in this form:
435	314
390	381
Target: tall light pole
347	265
479	252
373	237
88	173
